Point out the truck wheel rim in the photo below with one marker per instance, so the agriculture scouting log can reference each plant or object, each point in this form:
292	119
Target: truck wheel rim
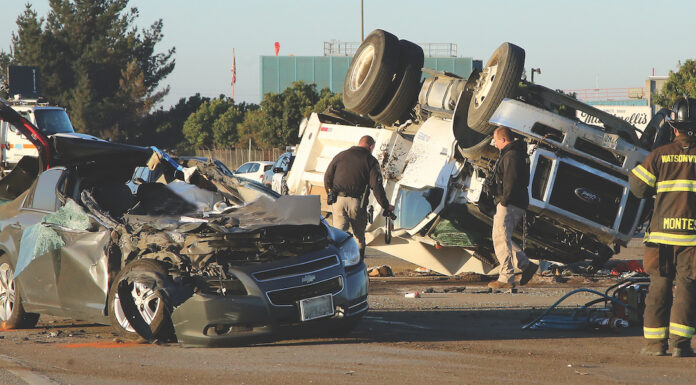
484	84
362	67
7	291
147	302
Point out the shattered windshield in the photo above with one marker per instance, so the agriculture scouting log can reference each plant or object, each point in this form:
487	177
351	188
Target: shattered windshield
53	121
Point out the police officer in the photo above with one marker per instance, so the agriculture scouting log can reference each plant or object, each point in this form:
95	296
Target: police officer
512	199
346	181
669	172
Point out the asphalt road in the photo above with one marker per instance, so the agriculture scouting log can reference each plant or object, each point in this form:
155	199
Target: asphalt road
456	333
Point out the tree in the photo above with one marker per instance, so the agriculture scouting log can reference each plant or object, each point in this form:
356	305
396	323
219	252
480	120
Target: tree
326	99
164	128
94	62
682	82
198	128
278	123
250	128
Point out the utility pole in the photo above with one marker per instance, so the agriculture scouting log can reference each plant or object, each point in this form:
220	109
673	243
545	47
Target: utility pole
362	22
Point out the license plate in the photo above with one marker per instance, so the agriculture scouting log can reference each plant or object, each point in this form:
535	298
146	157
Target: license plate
317	307
610	141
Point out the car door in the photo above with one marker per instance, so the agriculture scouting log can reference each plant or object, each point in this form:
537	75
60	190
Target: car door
67	273
37	265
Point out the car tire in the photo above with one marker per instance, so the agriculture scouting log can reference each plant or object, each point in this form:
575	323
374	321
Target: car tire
150	306
371	72
397	103
12	314
498	80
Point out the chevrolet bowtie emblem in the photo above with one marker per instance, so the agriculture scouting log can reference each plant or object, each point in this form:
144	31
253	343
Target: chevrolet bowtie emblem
309	278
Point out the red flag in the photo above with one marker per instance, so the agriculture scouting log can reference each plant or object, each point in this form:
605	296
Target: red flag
277	47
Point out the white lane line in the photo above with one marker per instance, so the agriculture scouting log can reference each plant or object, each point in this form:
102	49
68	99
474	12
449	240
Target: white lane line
399	323
25	372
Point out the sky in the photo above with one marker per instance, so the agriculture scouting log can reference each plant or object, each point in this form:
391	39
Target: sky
577	44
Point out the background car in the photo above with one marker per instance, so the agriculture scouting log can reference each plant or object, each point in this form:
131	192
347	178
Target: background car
253	170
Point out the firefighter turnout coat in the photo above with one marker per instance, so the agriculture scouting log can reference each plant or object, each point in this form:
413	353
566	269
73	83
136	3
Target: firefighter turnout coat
669	172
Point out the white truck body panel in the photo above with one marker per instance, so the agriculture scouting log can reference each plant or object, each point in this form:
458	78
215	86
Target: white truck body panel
413	165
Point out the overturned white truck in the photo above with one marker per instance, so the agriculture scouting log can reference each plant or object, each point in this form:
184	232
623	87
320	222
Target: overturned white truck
435	149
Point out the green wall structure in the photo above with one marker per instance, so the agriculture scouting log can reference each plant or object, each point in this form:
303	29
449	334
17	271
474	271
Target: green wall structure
278	72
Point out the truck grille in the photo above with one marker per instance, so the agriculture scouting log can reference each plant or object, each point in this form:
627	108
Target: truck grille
291	296
602	196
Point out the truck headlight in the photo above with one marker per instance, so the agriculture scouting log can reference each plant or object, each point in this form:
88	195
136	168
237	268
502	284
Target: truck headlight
349	252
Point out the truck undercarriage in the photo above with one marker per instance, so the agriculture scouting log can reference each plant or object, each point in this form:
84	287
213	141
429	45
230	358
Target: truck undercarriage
436	157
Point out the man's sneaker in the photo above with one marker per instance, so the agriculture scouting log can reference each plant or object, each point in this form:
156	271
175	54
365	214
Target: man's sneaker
500	285
683	352
528	273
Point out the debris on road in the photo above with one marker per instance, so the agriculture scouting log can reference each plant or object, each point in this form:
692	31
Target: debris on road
414	294
380	271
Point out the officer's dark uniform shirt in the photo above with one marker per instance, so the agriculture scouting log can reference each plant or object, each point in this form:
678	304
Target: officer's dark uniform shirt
351	171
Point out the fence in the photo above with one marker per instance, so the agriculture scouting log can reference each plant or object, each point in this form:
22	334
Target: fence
235	157
602	94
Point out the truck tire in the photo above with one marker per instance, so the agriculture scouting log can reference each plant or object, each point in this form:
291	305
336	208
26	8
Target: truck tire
371	72
498	80
396	104
12	314
150	306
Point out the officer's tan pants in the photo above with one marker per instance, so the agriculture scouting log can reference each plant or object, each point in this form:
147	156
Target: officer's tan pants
348	216
506	250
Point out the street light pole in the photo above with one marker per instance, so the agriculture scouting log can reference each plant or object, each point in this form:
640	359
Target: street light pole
537	70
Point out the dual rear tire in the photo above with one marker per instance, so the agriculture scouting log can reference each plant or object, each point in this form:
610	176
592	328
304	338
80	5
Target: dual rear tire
383	79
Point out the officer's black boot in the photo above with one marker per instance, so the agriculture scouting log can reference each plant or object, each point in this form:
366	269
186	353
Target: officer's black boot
654	347
681	347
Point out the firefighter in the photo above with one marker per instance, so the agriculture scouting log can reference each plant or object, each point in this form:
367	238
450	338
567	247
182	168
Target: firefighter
669	173
347	181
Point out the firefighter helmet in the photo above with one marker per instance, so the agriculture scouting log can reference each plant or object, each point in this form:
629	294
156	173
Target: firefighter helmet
683	117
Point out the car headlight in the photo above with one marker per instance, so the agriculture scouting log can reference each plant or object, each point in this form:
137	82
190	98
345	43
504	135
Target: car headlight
349	252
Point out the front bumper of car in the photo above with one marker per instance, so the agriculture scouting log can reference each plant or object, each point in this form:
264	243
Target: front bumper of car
272	300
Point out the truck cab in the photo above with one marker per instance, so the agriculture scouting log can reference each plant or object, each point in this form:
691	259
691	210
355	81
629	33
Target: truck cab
49	119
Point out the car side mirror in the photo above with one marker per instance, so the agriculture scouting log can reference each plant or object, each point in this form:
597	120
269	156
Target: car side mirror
278	169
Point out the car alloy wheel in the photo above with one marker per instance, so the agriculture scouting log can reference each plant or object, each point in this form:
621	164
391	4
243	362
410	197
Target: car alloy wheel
7	291
145	299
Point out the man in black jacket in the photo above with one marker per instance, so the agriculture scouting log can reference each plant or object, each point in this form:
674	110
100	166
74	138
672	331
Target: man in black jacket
512	199
347	179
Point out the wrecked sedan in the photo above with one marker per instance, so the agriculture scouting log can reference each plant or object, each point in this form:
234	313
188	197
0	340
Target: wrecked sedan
197	255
